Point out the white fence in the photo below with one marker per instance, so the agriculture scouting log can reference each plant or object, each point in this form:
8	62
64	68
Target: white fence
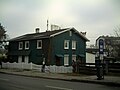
31	66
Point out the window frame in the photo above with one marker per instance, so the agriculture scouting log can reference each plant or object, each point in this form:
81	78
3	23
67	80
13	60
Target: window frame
66	42
26	44
20	47
38	44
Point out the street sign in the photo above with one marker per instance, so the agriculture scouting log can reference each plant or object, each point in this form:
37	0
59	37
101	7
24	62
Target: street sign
101	49
101	46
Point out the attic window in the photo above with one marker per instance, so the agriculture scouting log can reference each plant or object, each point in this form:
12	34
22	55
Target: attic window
27	45
20	45
39	44
70	33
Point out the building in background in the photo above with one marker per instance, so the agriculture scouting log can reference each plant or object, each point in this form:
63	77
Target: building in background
112	47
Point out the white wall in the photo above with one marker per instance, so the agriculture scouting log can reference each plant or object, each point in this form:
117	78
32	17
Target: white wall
90	58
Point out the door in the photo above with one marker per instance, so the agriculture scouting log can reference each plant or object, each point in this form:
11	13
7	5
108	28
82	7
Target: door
58	61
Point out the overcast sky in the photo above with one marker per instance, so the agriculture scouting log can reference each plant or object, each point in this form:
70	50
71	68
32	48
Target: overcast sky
96	17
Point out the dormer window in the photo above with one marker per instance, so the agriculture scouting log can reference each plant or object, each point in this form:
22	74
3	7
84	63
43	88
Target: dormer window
20	45
26	44
39	44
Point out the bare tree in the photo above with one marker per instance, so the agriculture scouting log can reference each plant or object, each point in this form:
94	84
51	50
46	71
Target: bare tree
117	31
117	34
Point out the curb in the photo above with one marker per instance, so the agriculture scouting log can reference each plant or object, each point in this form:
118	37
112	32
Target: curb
115	84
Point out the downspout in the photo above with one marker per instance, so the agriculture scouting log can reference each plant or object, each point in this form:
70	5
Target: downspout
49	51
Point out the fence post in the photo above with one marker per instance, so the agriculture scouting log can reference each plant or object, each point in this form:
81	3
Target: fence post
21	65
31	65
106	68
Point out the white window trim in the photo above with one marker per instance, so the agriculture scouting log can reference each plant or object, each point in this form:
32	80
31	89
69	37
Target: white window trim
38	44
67	60
20	48
66	41
73	45
26	44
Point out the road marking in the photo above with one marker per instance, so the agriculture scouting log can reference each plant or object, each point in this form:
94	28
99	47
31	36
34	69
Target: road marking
4	79
60	88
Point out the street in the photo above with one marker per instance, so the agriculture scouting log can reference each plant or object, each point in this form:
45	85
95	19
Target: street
13	82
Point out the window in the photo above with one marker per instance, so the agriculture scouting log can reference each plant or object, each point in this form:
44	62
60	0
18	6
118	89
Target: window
74	57
39	44
26	59
19	59
70	33
27	45
73	44
20	45
66	44
66	59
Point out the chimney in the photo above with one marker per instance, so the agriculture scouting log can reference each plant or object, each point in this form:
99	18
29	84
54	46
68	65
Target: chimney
83	33
37	30
55	27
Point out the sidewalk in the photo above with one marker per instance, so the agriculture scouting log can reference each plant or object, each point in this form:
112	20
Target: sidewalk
108	80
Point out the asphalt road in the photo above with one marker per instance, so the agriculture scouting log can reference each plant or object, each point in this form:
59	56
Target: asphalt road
13	82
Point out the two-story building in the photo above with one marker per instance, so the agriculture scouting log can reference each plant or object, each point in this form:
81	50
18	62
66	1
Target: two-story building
57	47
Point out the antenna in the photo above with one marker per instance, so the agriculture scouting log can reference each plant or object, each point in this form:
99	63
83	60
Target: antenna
47	24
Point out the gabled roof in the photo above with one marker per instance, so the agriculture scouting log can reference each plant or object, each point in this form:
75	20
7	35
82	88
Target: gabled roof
47	34
108	38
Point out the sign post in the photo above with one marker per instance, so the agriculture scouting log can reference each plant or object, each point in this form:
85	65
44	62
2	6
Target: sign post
100	70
